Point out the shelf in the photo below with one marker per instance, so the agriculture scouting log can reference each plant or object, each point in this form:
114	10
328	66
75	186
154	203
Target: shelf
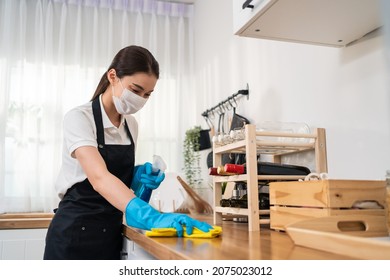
257	143
243	177
231	210
266	146
238	211
235	147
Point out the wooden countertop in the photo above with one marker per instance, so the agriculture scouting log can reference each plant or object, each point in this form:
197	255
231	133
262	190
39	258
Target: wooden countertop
25	220
235	243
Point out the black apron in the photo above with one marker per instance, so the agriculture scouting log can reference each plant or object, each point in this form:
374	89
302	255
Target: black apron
86	225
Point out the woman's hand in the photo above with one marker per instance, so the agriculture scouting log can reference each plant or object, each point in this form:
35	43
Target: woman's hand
143	174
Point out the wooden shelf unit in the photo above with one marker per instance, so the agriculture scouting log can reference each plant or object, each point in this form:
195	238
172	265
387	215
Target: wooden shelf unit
254	144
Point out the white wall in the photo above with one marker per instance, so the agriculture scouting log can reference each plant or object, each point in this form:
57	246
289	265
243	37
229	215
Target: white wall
22	244
345	90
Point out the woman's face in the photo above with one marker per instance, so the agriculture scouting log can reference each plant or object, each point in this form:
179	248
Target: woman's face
141	84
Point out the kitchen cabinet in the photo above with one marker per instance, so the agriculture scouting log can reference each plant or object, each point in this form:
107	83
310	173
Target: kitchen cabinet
133	251
335	23
274	144
22	235
22	244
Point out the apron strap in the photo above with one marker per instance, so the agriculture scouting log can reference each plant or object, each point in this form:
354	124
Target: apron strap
97	115
129	133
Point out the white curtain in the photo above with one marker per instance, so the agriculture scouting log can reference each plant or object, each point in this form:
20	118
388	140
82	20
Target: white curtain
52	56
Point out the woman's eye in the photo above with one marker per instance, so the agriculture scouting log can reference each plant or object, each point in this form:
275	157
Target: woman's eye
135	91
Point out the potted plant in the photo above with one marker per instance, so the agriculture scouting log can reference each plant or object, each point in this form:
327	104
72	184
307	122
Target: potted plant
191	146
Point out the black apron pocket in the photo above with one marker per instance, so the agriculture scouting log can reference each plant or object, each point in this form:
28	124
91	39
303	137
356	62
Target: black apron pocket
93	240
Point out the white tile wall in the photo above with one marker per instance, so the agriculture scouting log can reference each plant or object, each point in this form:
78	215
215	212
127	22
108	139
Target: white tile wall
22	244
29	244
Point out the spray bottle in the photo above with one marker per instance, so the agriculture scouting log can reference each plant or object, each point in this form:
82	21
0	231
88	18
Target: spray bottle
158	167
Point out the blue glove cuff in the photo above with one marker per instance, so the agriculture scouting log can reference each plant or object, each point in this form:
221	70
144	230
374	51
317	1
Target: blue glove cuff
139	214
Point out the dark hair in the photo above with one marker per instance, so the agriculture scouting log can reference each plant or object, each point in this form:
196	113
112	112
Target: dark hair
128	61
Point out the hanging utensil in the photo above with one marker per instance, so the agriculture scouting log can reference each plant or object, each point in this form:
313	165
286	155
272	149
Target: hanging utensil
238	121
210	160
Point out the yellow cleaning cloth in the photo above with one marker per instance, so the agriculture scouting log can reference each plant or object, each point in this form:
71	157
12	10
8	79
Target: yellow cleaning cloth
171	232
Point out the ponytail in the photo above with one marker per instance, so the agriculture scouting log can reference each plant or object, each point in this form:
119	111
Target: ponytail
102	86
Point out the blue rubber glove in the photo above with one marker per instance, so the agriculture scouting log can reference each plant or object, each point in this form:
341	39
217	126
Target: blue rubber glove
143	175
145	181
141	215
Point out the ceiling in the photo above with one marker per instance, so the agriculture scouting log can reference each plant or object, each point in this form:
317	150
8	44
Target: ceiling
180	1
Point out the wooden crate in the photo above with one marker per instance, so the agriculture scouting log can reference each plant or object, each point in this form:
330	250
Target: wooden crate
295	201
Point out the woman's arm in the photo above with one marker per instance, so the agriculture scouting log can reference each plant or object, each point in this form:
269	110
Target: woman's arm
106	184
138	213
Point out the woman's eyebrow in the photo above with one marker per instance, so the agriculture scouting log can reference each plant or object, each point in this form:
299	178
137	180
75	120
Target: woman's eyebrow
138	86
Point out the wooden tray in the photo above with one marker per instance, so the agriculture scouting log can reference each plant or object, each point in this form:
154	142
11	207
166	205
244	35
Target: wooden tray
350	240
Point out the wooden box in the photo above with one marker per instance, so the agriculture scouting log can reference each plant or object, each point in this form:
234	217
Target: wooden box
294	201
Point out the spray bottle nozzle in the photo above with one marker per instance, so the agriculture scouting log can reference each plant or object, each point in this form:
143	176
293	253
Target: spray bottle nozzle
158	164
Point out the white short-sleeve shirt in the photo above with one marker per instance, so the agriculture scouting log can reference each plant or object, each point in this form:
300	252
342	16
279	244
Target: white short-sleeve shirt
80	130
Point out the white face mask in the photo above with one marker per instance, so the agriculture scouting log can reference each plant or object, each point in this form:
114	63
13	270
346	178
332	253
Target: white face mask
129	102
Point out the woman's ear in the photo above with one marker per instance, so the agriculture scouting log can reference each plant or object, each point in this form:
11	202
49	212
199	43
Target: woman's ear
111	75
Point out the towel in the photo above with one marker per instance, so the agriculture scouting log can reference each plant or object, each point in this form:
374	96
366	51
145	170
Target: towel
197	233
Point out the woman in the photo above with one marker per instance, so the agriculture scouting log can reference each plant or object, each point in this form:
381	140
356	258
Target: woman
97	179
